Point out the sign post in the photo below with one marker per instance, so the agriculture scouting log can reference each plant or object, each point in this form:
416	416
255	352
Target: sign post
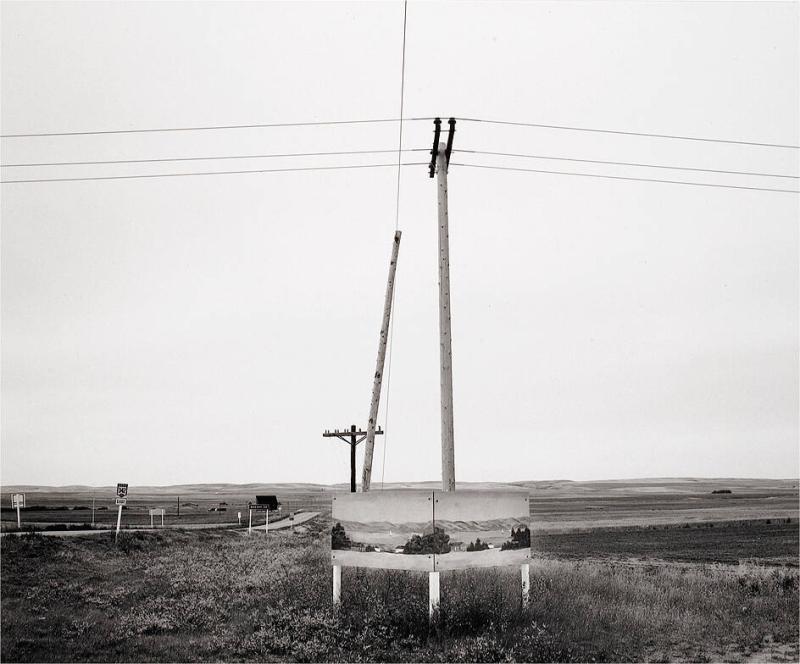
239	517
157	512
122	492
18	501
250	521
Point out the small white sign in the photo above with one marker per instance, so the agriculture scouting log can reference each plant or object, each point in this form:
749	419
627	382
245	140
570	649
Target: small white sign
157	512
18	500
122	501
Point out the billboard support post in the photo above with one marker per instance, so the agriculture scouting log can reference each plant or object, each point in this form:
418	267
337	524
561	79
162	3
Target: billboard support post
433	593
337	585
526	584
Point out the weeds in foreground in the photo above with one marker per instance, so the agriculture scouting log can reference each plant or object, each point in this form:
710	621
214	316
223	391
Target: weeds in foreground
202	596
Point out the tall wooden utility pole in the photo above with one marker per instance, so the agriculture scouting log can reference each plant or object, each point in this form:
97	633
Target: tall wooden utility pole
376	386
441	155
352	437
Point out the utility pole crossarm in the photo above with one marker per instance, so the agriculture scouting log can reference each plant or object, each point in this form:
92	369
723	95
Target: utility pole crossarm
352	436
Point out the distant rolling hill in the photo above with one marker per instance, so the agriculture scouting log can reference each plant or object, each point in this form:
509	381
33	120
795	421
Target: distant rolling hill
537	488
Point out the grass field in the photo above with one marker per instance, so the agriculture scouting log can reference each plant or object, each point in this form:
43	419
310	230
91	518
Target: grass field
219	595
679	582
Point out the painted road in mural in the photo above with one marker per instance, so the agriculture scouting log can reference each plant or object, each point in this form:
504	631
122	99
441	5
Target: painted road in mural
430	530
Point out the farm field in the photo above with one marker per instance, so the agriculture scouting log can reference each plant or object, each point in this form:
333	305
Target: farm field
769	541
555	506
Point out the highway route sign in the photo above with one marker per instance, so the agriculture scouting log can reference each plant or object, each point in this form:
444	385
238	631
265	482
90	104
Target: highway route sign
18	500
122	501
122	490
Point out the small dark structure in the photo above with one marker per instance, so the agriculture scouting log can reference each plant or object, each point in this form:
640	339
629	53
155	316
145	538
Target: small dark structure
270	501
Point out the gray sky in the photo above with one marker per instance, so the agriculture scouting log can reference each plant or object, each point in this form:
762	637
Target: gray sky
209	328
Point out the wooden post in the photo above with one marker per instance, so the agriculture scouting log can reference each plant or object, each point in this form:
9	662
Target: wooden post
179	507
337	585
162	518
266	524
445	346
250	521
526	584
19	518
151	519
119	522
353	443
433	593
92	511
376	386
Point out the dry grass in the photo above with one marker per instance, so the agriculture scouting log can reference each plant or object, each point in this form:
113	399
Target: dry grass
197	596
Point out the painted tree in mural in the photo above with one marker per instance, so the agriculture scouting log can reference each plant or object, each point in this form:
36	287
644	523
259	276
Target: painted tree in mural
339	538
436	542
477	545
520	539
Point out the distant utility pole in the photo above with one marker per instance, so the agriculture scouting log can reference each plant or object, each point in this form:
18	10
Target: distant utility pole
179	507
366	476
440	159
352	437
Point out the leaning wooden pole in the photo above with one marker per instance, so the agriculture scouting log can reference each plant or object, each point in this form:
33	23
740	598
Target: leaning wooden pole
445	345
376	385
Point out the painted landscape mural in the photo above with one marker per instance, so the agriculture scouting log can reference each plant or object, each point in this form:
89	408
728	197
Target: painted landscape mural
430	530
484	529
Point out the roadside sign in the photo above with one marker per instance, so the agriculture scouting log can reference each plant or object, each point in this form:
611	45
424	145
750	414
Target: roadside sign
18	500
122	490
122	501
157	512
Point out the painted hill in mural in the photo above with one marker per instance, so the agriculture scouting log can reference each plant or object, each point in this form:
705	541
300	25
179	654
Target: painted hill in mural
427	526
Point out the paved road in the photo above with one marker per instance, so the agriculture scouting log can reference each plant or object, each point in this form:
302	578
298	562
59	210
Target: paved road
283	523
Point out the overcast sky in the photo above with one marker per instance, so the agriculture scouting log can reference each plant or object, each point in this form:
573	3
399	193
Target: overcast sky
208	329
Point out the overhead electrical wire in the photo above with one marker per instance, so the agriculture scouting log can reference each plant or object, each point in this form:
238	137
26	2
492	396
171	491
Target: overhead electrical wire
396	228
175	175
619	177
236	156
210	127
628	163
631	133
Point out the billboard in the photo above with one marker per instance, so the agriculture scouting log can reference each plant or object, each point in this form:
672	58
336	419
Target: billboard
430	530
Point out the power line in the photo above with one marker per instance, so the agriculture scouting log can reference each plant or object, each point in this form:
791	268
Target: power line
632	133
236	156
211	127
619	177
628	163
396	228
174	175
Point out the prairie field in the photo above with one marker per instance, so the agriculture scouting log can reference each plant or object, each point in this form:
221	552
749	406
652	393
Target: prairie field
677	589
